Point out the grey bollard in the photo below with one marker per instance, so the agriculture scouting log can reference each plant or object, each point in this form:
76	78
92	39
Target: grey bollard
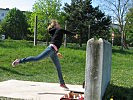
98	68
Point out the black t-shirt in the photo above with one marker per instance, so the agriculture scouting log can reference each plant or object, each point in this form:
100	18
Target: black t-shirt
57	36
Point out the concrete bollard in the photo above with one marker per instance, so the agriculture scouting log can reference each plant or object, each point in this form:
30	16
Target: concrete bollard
98	68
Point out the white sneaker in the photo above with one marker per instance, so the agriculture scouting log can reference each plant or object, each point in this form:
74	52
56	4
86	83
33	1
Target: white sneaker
16	62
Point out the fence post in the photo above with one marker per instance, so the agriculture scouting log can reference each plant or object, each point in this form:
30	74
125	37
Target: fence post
65	37
35	31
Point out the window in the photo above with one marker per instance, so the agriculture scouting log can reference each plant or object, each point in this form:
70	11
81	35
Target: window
2	14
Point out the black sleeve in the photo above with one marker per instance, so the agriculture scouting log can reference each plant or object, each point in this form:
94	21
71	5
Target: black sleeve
51	31
67	32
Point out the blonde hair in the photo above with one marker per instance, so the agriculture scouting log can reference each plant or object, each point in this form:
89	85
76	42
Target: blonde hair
52	24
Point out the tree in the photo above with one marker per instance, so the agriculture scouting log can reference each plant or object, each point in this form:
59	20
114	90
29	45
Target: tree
45	10
15	25
28	16
118	8
86	20
129	27
1	29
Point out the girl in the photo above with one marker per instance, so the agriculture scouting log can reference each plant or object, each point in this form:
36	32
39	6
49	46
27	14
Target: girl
52	50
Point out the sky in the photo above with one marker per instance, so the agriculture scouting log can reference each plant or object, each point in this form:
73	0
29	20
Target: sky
26	5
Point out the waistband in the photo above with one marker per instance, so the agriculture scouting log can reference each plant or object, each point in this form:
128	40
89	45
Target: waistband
54	46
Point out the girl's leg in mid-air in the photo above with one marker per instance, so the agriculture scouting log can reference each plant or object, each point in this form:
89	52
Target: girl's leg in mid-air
49	50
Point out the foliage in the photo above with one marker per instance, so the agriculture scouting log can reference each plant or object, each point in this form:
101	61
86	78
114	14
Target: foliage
1	29
80	14
118	9
129	27
45	10
28	16
14	25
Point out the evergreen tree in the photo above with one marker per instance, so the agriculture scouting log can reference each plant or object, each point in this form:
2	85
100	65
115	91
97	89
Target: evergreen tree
86	20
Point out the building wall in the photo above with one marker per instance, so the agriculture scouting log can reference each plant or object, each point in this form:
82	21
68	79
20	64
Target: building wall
3	13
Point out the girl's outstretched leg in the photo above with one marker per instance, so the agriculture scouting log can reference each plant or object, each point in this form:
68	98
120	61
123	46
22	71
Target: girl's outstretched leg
43	55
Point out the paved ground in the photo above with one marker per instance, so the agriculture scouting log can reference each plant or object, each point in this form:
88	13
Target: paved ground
34	90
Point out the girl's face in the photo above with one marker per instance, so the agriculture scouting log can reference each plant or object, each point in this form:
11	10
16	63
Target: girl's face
57	26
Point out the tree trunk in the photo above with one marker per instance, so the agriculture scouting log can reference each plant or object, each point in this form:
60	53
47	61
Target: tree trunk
80	40
122	46
47	40
124	39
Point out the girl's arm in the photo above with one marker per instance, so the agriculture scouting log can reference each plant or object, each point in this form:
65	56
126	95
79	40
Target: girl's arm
67	32
70	33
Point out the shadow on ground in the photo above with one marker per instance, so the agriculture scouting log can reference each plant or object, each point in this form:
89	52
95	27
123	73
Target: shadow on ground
76	46
13	71
15	44
118	93
121	51
52	93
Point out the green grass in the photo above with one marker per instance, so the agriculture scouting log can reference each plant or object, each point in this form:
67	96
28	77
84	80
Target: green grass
73	67
44	70
121	87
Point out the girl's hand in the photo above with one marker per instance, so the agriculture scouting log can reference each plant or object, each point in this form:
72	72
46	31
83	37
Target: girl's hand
59	55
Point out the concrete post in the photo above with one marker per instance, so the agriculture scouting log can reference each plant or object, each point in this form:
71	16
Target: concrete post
98	68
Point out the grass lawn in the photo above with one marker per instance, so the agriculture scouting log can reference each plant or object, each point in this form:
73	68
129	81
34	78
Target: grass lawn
73	67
